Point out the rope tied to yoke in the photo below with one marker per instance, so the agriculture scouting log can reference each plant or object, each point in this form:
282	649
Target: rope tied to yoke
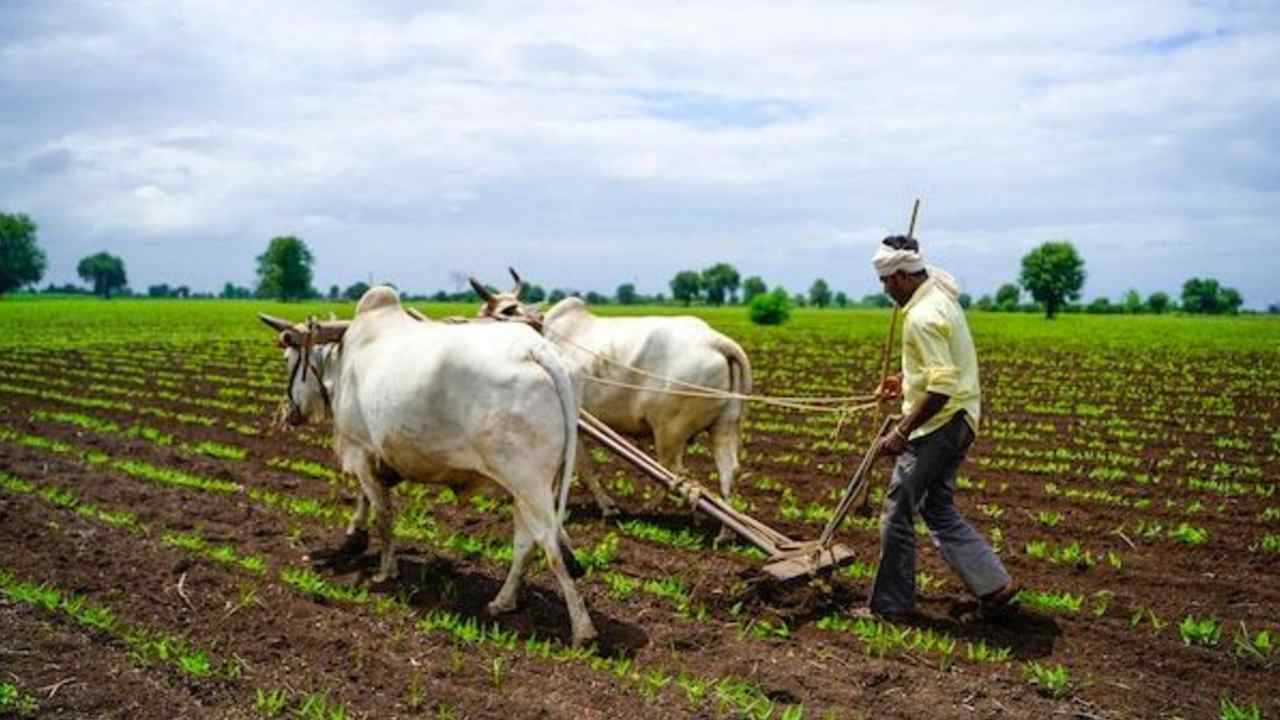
839	404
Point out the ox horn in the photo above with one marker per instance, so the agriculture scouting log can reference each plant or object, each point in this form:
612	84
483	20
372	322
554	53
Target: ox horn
329	332
275	323
481	290
415	314
519	283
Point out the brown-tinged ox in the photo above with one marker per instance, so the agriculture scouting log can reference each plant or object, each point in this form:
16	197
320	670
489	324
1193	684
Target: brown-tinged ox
682	349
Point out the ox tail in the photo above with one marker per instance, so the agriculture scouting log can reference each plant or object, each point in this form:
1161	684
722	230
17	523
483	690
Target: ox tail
739	376
549	359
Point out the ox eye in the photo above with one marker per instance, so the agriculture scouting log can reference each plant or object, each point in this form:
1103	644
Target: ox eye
509	311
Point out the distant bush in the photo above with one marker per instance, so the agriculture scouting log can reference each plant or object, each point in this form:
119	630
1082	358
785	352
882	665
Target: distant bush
771	308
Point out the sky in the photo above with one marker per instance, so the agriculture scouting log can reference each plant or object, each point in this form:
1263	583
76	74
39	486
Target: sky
599	143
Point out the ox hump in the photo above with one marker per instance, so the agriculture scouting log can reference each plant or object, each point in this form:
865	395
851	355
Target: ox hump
566	307
378	298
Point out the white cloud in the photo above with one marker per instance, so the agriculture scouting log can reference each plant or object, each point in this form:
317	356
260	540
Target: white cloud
597	144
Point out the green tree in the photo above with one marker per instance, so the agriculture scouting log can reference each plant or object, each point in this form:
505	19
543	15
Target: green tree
334	292
626	294
1200	297
876	300
1208	297
1132	303
557	295
284	270
232	291
965	300
771	308
1158	303
842	300
105	271
159	291
356	290
22	262
718	281
752	287
820	293
531	293
686	286
985	303
1007	297
1053	273
1229	301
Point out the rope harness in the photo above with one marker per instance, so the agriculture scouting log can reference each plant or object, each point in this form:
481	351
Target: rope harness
843	405
300	368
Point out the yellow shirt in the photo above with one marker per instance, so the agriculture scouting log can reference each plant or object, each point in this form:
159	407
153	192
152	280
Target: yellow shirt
938	356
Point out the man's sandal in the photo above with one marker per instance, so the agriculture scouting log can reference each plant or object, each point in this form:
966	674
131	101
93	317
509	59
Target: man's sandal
998	604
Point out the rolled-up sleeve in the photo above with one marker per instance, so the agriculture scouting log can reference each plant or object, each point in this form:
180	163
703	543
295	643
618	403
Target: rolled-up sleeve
931	338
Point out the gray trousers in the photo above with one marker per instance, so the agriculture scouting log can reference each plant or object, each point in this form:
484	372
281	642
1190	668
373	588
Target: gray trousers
924	482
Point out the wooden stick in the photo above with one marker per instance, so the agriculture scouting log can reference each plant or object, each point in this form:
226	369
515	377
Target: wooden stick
893	319
856	489
759	534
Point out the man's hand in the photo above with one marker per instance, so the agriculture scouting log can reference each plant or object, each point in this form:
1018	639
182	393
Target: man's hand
890	388
893	443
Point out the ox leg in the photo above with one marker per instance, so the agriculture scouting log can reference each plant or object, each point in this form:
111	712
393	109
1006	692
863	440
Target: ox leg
380	497
360	520
545	528
669	447
357	539
608	507
724	444
507	598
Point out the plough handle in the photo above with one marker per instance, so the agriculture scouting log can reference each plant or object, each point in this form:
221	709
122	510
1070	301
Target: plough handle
857	486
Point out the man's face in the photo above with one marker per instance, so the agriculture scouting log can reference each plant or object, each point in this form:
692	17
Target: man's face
894	287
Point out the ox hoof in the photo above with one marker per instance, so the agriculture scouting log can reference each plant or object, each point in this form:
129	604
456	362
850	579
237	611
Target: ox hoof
726	536
585	639
385	576
497	608
354	544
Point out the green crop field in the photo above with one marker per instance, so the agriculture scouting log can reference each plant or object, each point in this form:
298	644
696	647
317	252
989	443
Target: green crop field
153	518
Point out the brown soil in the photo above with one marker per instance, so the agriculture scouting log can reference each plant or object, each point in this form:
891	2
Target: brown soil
377	664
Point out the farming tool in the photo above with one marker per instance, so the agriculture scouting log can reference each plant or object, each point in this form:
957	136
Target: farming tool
788	558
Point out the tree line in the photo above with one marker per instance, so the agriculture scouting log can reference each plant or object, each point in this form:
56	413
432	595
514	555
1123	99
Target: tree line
1052	275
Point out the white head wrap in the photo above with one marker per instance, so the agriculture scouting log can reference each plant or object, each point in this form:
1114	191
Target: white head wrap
888	261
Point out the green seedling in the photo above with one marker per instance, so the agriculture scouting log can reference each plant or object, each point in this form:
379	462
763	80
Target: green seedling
1054	682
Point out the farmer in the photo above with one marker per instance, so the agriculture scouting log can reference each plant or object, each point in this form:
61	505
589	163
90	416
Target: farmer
941	405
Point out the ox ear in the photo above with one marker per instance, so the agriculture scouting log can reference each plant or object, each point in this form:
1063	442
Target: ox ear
481	290
275	323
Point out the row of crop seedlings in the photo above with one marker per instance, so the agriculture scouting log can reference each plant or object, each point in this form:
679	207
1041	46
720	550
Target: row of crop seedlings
116	397
68	393
147	647
1045	601
302	468
816	514
168	377
597	558
726	692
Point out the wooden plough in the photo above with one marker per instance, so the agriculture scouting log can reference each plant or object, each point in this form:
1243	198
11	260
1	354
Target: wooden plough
788	558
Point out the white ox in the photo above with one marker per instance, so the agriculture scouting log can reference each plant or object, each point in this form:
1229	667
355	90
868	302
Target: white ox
445	403
684	348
